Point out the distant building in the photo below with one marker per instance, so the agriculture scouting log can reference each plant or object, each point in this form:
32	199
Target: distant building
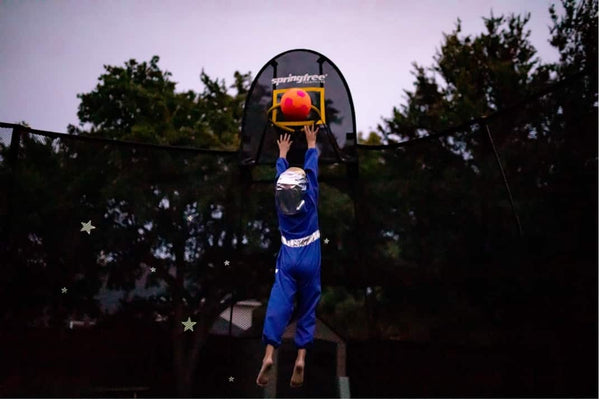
241	319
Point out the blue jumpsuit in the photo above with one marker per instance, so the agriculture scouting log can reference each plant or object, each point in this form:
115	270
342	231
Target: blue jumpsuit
298	268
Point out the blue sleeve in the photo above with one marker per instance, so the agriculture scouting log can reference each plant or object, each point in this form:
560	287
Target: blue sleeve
311	166
281	165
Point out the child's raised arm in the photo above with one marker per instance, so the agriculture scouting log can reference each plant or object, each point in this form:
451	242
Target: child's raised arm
284	143
311	162
311	135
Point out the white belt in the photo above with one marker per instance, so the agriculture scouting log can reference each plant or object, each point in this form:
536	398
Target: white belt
303	241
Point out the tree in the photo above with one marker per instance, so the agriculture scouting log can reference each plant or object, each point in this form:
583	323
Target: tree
441	204
439	207
175	211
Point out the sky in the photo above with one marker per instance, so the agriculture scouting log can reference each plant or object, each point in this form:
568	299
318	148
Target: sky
52	50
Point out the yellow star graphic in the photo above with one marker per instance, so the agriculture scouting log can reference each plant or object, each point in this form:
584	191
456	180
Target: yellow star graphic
189	324
87	227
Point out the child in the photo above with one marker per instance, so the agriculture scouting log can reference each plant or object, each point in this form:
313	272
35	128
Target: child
298	268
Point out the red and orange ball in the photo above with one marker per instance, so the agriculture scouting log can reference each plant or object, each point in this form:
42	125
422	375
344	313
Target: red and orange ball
295	104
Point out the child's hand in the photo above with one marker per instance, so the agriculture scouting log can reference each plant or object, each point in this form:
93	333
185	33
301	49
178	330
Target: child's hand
311	135
284	142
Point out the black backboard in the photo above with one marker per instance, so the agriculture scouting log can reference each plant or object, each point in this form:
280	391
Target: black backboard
329	92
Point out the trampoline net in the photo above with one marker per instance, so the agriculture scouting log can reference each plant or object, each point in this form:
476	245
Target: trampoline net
424	243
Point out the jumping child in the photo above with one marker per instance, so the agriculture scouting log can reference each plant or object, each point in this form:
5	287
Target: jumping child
298	267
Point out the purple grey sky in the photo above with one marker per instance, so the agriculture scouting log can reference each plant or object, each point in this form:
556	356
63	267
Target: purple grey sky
51	50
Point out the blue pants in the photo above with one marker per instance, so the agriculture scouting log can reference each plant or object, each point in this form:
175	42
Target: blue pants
298	272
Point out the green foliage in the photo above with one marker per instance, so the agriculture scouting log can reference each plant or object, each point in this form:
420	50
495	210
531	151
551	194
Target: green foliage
345	310
176	212
575	35
138	103
437	211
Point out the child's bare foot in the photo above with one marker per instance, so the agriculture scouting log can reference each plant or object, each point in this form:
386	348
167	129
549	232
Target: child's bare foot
265	372
298	375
